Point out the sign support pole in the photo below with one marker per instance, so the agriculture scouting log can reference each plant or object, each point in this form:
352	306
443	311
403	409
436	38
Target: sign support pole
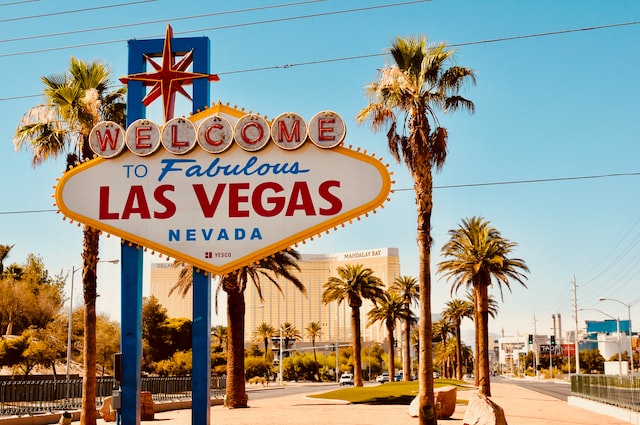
201	349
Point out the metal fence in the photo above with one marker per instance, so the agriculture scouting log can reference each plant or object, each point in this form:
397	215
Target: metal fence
24	397
620	391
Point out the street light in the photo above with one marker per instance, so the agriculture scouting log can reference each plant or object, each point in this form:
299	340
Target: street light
630	332
73	272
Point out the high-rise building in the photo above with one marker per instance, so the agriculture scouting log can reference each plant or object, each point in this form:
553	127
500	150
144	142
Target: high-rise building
288	304
164	277
292	306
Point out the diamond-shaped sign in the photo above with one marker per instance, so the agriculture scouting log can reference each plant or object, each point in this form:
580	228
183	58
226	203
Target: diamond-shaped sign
221	211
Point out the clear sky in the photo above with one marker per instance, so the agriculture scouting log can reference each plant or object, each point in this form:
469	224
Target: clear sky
550	158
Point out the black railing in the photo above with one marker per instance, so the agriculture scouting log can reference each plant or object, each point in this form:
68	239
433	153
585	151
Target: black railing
620	391
25	397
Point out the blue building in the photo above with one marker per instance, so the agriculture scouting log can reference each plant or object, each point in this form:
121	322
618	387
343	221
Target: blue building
608	326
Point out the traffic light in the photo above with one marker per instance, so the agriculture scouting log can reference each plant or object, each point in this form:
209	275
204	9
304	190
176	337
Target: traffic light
530	339
553	341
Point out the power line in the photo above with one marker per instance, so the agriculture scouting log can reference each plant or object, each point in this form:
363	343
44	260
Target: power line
173	19
18	2
66	12
330	60
435	187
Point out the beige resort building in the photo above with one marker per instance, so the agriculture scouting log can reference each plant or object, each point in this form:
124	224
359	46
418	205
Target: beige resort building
291	305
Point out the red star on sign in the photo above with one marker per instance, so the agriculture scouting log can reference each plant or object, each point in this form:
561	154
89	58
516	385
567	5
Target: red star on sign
169	77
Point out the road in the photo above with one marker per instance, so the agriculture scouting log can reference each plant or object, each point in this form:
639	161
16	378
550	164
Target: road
558	390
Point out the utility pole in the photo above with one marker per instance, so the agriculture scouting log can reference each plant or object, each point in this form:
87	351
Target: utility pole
535	345
575	314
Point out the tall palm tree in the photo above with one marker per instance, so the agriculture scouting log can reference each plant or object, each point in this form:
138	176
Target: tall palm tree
418	84
389	310
313	331
263	333
477	256
457	310
74	102
353	284
407	288
281	264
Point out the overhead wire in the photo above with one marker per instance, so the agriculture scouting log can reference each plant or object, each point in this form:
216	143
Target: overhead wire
67	12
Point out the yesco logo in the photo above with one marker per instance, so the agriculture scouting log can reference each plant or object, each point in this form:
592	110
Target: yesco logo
216	134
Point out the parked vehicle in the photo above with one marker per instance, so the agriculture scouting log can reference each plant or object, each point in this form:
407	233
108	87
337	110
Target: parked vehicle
383	377
398	377
346	379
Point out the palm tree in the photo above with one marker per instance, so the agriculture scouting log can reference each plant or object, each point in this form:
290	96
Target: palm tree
313	331
389	310
457	310
281	264
353	284
407	288
477	255
263	333
417	85
290	333
219	337
441	331
4	253
75	102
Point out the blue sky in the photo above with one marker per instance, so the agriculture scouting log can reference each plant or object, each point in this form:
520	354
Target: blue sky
556	100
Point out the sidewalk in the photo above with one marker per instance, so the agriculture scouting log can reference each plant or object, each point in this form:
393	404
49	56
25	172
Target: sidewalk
521	406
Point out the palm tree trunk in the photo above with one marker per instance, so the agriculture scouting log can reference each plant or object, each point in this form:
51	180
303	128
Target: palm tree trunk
406	366
423	186
357	359
483	357
392	354
88	415
458	352
236	392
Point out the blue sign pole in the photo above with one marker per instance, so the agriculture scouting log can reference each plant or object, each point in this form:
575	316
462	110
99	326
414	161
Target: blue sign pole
132	259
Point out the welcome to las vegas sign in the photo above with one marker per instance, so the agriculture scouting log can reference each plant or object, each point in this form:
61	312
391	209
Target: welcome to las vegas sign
223	188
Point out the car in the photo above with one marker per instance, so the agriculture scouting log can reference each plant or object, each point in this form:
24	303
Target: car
398	377
346	379
436	375
383	377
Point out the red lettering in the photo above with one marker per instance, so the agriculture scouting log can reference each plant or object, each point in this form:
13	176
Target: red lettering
174	137
136	204
235	199
208	207
325	126
335	204
245	136
141	137
207	135
300	200
103	207
160	196
277	202
109	138
283	132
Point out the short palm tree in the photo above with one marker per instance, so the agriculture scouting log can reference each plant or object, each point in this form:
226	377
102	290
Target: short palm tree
4	253
404	98
442	329
477	256
457	310
74	102
313	331
407	287
263	333
353	284
290	333
281	264
389	310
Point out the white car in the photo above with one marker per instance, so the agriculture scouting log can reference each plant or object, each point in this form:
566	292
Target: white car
346	379
383	377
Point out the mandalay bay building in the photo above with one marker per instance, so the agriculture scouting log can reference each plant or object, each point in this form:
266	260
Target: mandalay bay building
291	305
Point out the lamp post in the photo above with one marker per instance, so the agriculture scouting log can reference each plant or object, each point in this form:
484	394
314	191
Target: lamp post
630	332
73	272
